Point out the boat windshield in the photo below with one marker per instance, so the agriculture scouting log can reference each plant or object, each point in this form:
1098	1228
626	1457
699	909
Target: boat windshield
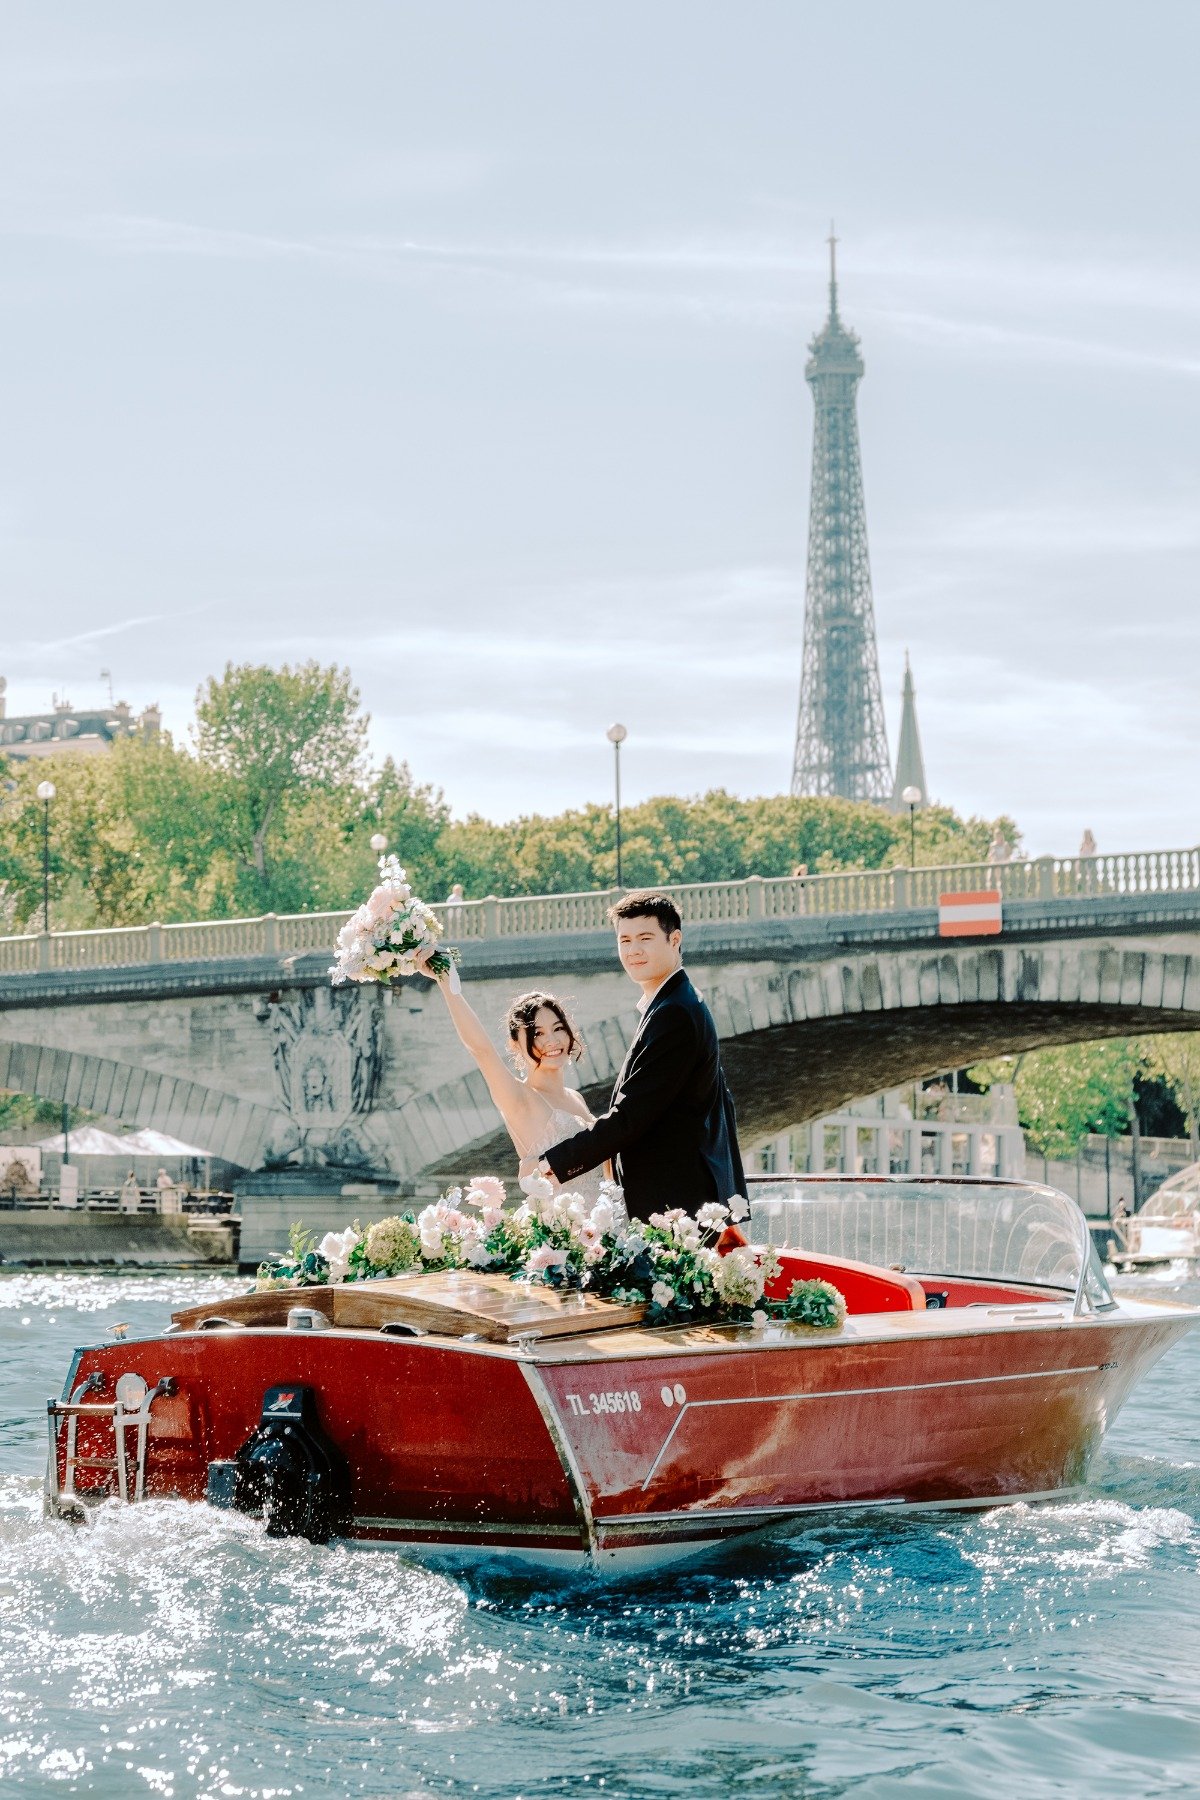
1002	1231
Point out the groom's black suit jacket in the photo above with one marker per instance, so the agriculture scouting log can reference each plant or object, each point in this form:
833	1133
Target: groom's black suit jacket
670	1131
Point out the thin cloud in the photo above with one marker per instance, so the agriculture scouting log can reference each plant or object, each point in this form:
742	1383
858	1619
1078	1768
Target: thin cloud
48	646
974	335
735	283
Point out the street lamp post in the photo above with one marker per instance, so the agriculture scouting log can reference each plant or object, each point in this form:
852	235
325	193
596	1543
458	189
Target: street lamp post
45	793
616	735
912	798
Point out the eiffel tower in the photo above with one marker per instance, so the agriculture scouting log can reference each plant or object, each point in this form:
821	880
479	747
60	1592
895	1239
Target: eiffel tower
841	736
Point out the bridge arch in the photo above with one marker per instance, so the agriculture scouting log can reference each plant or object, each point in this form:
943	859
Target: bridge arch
800	1039
226	1126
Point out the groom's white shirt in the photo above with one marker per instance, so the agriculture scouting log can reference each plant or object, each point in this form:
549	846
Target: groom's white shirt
647	1000
643	1006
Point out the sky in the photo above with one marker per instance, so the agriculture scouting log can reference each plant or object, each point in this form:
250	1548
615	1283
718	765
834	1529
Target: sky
464	345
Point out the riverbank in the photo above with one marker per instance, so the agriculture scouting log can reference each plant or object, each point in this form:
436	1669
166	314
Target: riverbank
70	1239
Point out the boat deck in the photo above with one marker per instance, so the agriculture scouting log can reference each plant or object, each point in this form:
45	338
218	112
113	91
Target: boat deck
577	1336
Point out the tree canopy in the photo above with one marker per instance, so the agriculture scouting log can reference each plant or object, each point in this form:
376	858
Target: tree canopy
272	805
268	736
1067	1091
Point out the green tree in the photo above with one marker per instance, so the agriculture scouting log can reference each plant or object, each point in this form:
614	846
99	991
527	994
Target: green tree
715	837
1067	1091
413	816
322	858
21	1114
1176	1058
276	736
276	808
133	837
943	838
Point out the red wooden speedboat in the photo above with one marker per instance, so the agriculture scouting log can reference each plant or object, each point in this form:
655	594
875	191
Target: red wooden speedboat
982	1359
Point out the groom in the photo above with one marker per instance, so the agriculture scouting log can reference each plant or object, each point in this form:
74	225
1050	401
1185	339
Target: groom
670	1131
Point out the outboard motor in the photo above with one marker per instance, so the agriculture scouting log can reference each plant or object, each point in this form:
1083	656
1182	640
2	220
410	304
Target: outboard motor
288	1471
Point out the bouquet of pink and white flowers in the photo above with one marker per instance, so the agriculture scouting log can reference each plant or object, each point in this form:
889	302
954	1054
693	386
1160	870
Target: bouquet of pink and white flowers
382	938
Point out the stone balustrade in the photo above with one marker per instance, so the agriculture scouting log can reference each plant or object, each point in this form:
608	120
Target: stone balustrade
848	892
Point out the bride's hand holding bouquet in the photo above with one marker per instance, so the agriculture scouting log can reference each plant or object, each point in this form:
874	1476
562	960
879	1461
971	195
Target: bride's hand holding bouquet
392	934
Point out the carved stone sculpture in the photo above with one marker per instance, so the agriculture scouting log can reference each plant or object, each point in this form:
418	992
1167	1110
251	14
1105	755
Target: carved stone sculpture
327	1049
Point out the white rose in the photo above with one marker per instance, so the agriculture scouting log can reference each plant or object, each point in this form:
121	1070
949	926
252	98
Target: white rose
335	1247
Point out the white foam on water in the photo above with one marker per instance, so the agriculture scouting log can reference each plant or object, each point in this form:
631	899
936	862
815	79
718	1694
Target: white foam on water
1079	1536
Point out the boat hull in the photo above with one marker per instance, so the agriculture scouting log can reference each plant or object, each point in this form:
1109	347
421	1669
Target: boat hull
637	1446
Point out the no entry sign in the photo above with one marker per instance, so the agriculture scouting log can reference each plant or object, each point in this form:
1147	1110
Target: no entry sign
970	915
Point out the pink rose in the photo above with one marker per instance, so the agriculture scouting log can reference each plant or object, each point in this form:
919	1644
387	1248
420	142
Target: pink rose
380	906
545	1257
485	1190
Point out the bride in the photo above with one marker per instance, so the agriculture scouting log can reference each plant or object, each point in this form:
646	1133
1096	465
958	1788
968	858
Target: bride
537	1107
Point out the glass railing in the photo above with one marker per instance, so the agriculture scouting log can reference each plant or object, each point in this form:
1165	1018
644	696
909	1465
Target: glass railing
1004	1231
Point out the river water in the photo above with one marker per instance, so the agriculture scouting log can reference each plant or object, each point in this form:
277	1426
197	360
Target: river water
170	1650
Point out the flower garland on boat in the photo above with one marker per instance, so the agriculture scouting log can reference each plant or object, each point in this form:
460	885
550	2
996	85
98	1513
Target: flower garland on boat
669	1263
381	938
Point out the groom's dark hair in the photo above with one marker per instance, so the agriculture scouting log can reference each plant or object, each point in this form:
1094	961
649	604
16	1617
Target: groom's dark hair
647	903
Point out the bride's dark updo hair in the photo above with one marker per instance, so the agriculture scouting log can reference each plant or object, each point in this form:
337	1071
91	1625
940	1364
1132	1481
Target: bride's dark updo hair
522	1022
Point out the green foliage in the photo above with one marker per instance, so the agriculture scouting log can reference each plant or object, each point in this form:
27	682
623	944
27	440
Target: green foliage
274	735
1175	1057
817	1304
942	837
716	837
1068	1091
134	836
274	808
21	1112
301	1241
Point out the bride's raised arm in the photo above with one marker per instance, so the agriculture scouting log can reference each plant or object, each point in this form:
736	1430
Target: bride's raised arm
509	1096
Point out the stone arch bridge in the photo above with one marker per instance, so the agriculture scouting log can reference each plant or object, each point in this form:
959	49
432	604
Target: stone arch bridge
232	1038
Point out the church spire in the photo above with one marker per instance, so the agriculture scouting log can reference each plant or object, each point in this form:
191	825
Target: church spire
910	764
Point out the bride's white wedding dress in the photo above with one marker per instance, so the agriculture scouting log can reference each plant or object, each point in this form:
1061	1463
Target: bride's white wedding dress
560	1125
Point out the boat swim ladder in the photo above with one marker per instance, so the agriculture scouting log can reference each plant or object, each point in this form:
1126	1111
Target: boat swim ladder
129	1411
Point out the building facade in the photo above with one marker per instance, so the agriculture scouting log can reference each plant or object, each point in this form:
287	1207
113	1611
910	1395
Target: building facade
68	730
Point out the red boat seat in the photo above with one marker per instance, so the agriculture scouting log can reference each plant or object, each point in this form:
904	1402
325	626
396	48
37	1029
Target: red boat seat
867	1287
